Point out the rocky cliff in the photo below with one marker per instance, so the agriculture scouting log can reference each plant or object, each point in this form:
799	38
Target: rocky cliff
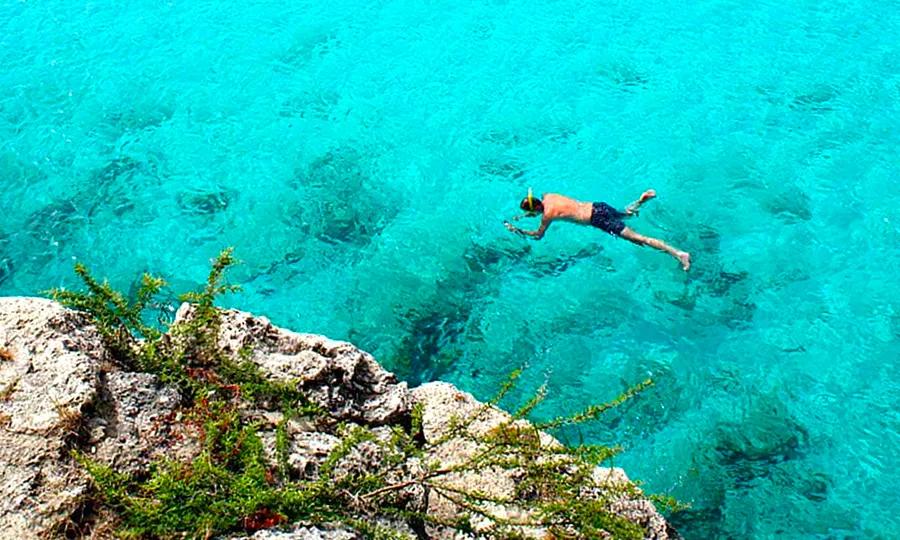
62	393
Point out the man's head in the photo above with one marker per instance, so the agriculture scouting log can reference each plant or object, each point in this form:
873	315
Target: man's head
531	204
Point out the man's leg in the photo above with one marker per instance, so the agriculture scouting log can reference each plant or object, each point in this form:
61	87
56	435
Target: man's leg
634	208
683	256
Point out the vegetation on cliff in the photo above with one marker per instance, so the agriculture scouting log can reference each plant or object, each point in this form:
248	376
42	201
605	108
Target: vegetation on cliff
234	484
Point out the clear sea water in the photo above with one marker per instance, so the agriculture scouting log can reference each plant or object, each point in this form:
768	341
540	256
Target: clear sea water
361	156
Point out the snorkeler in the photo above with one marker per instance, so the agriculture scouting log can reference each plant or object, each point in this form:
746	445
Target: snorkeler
599	214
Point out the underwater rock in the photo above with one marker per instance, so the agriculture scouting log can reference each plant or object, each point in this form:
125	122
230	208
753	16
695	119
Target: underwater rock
717	278
204	203
720	285
653	409
340	203
625	77
339	169
732	290
431	344
503	169
710	239
766	435
787	276
113	186
122	206
790	206
764	443
310	104
558	134
6	268
497	257
738	314
494	257
815	487
439	324
342	223
796	477
55	222
120	167
557	265
818	100
502	138
6	261
289	259
686	300
482	29
305	48
132	119
705	521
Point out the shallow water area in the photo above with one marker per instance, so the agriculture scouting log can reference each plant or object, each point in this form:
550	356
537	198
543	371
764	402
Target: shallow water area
362	156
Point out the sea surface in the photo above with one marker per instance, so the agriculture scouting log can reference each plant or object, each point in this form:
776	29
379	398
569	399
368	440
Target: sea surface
361	157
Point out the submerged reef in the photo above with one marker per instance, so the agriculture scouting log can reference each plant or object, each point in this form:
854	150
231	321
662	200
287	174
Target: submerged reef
342	202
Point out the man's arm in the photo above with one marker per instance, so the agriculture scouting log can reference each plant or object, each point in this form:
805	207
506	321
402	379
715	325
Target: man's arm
537	235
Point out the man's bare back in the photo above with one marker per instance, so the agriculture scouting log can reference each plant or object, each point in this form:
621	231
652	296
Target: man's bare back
555	207
560	207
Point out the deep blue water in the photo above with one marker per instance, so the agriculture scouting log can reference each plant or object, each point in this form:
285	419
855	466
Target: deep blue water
361	157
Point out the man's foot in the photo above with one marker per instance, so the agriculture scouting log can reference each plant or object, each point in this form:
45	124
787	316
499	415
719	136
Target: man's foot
685	259
634	208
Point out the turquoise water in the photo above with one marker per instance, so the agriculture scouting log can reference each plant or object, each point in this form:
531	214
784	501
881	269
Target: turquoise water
361	156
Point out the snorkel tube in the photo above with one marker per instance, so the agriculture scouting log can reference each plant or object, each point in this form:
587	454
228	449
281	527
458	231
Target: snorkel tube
530	200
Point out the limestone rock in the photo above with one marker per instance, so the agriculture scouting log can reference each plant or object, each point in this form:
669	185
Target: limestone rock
347	382
640	511
138	422
60	390
50	382
443	404
306	451
305	533
323	532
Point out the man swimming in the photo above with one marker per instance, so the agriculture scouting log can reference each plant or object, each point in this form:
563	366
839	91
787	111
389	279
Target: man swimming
555	207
